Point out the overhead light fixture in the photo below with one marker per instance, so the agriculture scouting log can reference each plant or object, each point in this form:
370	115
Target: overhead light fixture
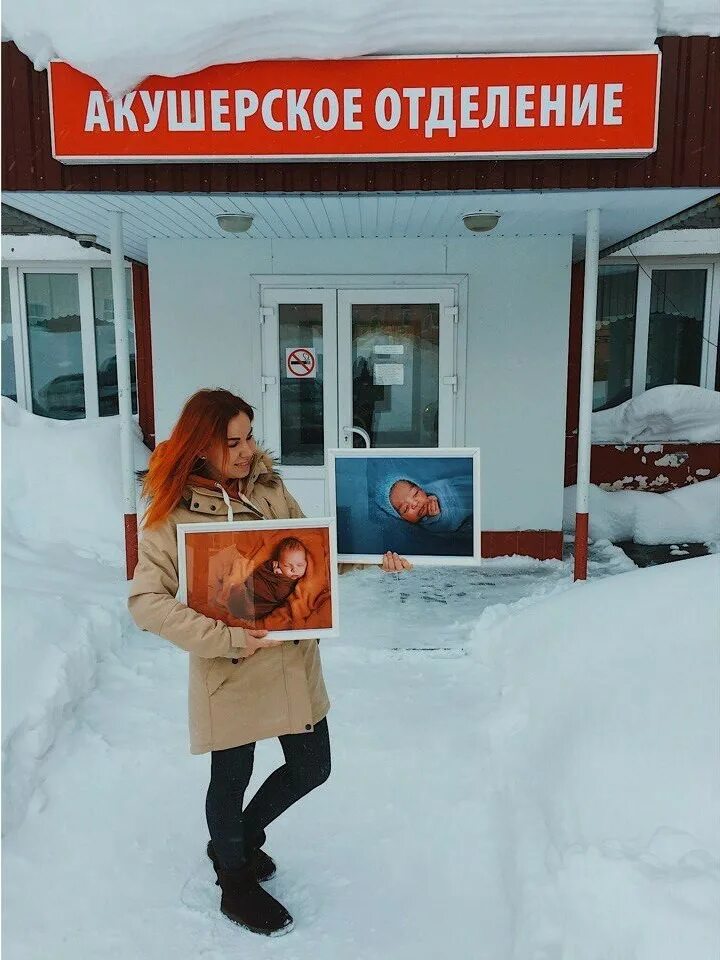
481	222
235	222
86	239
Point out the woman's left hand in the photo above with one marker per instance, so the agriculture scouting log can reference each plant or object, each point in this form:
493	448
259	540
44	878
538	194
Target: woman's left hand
394	563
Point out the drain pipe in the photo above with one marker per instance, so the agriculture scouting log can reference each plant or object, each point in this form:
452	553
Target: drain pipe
127	425
587	363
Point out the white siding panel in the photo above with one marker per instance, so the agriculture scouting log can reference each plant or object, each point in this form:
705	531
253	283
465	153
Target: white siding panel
517	329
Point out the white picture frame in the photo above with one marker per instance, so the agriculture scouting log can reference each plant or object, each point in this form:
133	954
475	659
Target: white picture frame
268	527
395	453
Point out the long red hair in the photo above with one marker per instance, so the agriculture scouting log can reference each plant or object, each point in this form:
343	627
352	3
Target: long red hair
203	423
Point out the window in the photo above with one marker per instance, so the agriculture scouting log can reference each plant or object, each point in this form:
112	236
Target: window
675	336
301	398
654	327
9	385
63	329
105	359
55	350
614	336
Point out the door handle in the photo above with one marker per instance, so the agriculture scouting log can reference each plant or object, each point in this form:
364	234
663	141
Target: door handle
348	431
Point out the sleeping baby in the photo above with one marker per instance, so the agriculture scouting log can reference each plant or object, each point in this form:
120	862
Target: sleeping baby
443	506
270	584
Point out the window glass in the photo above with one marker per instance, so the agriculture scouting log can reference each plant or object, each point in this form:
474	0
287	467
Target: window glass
105	341
55	345
301	383
9	387
396	373
614	335
675	335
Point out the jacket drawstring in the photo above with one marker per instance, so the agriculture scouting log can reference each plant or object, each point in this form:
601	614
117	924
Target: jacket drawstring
226	498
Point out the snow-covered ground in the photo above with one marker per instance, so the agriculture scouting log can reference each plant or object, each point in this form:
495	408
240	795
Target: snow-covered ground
524	769
167	38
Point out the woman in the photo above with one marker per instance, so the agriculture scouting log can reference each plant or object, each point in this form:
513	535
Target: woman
243	686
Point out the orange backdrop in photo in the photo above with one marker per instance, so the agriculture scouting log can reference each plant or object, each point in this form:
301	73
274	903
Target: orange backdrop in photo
210	557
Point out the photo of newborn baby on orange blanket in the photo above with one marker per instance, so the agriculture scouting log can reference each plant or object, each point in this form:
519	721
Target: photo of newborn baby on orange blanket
270	576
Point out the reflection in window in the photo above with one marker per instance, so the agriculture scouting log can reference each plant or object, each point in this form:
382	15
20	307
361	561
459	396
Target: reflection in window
396	373
105	341
55	345
677	310
614	335
301	397
9	386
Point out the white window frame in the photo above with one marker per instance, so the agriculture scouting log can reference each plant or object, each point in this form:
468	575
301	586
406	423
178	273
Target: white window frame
272	374
645	267
17	271
446	298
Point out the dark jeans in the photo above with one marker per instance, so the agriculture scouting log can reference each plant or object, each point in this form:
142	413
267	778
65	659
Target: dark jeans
235	832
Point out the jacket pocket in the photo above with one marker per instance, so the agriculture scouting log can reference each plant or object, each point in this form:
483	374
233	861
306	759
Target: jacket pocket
218	672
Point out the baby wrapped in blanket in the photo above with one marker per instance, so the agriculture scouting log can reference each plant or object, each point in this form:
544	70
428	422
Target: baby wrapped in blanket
271	583
443	507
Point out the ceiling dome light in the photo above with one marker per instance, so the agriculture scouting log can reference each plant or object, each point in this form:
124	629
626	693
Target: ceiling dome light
235	222
481	222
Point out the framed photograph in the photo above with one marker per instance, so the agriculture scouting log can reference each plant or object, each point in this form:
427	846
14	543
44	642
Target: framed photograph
274	575
423	503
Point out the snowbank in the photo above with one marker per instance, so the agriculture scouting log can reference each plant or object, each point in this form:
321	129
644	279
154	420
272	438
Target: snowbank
54	636
675	412
164	37
688	515
61	481
63	589
606	736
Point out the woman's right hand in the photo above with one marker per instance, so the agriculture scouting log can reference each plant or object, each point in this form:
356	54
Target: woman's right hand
394	563
256	640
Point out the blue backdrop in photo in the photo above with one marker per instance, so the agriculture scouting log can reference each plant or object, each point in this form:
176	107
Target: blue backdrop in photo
364	528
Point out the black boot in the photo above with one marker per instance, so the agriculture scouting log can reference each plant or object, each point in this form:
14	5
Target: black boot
261	865
246	903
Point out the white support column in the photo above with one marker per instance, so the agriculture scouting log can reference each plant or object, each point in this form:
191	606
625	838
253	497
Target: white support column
587	363
122	354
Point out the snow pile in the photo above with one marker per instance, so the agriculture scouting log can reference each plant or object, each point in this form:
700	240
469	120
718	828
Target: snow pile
689	515
677	412
164	37
56	628
682	19
61	481
606	737
63	589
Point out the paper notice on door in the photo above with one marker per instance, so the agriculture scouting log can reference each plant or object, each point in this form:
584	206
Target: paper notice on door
388	374
389	348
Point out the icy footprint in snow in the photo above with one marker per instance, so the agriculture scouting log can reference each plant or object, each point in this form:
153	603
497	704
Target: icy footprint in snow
200	893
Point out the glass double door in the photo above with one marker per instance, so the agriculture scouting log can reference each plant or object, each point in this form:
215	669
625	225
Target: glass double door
355	368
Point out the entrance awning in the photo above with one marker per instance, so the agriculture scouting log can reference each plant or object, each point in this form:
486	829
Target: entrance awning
312	216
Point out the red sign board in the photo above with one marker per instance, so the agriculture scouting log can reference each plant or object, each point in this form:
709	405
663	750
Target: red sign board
602	104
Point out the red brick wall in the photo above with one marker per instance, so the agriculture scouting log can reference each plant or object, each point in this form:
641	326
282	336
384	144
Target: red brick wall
653	466
541	544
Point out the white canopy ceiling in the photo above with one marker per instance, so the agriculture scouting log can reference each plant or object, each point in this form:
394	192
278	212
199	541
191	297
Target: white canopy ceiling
326	216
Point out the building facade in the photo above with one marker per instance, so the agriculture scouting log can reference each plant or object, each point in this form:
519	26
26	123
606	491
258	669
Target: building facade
359	308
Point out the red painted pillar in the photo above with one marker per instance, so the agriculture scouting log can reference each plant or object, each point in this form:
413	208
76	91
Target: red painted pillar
131	544
581	546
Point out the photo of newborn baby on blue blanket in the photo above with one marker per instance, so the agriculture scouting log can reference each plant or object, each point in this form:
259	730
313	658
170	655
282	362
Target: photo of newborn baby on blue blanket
414	504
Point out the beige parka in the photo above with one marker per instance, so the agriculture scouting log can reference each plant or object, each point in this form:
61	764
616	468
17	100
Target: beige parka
232	699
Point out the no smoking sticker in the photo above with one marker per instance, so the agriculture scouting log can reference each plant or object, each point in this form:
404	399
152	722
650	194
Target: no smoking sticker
301	363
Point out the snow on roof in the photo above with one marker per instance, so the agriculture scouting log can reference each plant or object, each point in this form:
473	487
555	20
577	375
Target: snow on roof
120	45
676	412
